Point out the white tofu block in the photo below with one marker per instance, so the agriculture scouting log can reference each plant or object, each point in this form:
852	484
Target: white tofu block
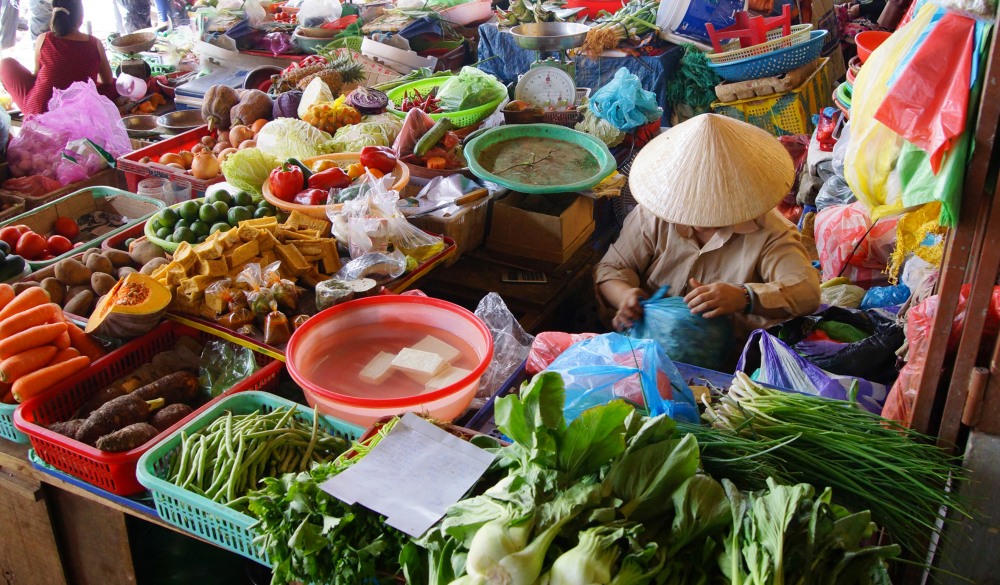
449	376
432	344
419	365
378	369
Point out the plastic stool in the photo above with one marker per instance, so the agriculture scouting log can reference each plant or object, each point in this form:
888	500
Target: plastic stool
750	30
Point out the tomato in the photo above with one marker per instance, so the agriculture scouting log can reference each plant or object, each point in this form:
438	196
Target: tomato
31	246
59	245
66	227
10	235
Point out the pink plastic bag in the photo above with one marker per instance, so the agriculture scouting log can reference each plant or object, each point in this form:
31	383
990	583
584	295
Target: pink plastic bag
548	345
919	320
839	229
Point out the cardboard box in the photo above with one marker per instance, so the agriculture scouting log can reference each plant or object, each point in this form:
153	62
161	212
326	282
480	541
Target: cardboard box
467	227
543	227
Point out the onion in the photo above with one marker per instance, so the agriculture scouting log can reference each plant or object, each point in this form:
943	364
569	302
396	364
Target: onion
368	101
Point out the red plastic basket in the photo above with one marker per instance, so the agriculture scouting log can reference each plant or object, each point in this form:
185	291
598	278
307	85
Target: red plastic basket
136	171
114	472
592	8
117	241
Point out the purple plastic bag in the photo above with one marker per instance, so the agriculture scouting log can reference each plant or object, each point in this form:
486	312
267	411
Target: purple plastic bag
278	43
778	365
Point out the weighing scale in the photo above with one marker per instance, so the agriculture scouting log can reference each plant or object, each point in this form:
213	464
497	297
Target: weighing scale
551	81
130	46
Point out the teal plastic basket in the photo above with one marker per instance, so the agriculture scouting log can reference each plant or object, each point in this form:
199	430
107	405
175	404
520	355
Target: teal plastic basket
7	429
197	514
774	63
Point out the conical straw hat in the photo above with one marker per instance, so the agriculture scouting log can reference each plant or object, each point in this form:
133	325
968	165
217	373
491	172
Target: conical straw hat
711	171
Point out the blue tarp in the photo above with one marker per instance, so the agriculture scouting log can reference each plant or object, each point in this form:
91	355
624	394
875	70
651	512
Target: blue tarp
513	61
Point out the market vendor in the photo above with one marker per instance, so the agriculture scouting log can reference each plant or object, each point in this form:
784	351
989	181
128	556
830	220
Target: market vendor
706	225
62	57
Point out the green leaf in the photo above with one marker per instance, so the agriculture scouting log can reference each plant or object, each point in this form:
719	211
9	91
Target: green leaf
593	439
700	509
645	478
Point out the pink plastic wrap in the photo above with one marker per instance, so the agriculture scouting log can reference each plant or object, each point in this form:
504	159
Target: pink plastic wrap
838	229
920	319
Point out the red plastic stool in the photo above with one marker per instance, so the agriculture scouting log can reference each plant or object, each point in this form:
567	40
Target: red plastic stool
750	30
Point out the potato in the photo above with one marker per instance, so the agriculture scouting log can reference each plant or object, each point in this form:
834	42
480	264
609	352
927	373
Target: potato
118	258
81	304
142	252
98	263
125	271
102	283
152	265
56	290
90	252
20	287
72	272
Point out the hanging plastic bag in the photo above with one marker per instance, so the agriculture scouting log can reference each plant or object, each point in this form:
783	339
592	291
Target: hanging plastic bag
770	361
874	148
845	250
684	336
316	13
919	322
510	344
624	103
259	297
549	345
835	191
612	366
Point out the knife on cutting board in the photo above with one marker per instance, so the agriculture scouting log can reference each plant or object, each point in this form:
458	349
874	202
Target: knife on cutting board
470	197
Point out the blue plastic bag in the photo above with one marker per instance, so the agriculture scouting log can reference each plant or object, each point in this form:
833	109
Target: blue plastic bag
885	296
610	366
624	102
684	336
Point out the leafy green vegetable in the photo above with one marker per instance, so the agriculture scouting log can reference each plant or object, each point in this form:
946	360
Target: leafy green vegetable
247	169
469	89
380	130
286	138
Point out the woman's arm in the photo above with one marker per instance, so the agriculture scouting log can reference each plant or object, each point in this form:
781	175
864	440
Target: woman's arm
38	50
619	285
791	284
104	74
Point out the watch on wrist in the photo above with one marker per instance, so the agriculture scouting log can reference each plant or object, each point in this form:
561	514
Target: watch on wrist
749	299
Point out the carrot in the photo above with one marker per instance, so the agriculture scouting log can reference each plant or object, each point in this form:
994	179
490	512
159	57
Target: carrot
36	382
83	342
436	163
28	319
26	362
62	341
31	297
6	294
64	355
30	339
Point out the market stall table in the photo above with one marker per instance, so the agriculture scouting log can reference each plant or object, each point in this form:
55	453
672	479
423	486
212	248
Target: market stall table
511	61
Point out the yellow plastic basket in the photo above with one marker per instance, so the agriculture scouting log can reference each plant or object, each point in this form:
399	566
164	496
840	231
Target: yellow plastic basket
787	113
775	41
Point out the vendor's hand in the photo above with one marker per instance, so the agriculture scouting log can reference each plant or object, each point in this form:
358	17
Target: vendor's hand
853	11
716	299
630	310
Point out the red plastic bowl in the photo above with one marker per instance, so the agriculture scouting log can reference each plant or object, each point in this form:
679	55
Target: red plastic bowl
868	41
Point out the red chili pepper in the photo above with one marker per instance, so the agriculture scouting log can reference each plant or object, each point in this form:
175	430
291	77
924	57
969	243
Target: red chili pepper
332	178
381	158
286	181
312	196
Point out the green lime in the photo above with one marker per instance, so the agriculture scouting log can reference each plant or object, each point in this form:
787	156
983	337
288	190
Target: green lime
189	210
261	212
238	214
168	218
199	228
208	214
216	227
163	233
202	239
156	225
243	198
222	207
222	196
183	234
182	223
265	205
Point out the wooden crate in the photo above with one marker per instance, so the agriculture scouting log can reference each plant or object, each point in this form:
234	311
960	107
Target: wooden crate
16	202
105	178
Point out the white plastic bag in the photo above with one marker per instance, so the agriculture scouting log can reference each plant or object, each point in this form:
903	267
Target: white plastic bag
315	13
255	13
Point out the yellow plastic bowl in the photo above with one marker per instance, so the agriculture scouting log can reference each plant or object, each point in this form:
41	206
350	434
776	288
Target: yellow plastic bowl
400	175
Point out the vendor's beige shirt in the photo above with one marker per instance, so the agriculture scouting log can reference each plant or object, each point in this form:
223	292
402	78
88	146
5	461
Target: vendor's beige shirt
765	254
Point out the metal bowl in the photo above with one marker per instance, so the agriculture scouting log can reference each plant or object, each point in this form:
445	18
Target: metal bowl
550	36
180	121
141	126
134	43
258	76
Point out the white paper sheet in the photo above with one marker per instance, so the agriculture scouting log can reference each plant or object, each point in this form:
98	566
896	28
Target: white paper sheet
412	475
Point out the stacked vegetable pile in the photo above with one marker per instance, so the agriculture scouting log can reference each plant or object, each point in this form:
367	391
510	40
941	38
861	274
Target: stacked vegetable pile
635	19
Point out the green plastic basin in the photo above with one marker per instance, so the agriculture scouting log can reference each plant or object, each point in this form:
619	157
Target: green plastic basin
504	133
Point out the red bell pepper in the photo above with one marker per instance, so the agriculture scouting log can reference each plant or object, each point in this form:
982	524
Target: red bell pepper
381	158
286	181
312	197
331	178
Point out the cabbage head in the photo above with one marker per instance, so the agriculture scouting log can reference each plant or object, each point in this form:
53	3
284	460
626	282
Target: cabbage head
286	138
247	169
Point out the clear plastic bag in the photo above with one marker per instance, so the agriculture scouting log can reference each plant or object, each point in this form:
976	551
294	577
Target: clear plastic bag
256	15
835	191
380	267
612	366
511	344
284	291
842	295
316	13
624	102
223	364
259	297
670	322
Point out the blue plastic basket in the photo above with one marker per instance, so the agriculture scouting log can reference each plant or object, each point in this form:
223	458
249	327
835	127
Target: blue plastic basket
7	429
774	63
199	515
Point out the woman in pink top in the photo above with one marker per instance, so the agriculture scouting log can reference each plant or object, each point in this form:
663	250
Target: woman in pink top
62	57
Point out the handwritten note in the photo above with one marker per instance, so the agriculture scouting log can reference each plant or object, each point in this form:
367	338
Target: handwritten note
412	475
